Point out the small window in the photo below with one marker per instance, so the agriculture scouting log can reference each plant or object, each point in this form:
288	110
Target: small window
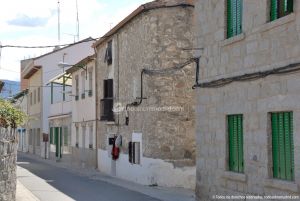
30	98
51	136
134	152
39	94
83	136
91	137
82	85
282	145
234	17
235	139
66	136
280	8
108	53
38	137
90	82
34	97
76	88
77	136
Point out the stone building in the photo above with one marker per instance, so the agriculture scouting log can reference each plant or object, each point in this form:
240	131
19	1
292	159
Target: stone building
248	111
156	134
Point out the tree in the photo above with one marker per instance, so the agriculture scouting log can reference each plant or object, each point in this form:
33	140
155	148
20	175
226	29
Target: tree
10	116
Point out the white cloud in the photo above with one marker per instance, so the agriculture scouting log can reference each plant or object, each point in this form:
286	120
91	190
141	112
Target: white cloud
36	22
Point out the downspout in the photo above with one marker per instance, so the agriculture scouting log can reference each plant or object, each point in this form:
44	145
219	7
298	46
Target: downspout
96	104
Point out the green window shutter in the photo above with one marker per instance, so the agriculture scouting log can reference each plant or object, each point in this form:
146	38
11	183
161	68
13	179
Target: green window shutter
235	145
229	19
274	10
240	143
290	5
230	133
235	134
292	146
239	16
287	143
282	145
51	96
51	130
275	145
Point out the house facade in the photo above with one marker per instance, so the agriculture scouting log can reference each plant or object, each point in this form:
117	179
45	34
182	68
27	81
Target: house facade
34	108
146	119
247	98
20	101
83	106
54	94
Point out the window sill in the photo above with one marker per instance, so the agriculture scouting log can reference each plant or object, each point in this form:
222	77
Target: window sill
233	39
235	176
275	23
281	184
110	123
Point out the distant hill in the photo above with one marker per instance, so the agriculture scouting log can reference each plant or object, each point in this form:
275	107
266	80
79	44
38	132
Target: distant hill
10	88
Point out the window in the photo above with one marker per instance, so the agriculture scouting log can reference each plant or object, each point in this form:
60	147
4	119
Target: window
234	17
106	103
39	94
108	53
83	136
90	82
282	145
91	137
38	137
280	8
66	135
34	96
235	136
134	152
77	136
30	98
30	136
51	135
82	85
76	87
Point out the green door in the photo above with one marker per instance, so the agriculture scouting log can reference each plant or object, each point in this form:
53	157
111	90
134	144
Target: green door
58	141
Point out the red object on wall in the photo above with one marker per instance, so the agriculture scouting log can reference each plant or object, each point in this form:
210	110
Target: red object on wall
115	152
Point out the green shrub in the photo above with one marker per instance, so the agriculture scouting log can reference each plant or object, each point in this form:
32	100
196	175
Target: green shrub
10	116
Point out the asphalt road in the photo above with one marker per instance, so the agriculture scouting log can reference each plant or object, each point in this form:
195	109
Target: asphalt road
75	186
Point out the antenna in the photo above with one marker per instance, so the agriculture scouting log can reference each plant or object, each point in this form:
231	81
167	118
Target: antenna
77	20
58	21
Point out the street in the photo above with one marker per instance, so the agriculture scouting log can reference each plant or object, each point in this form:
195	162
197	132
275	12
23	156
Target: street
74	186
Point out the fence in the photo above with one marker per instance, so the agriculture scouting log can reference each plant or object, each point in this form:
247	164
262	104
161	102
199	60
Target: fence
8	156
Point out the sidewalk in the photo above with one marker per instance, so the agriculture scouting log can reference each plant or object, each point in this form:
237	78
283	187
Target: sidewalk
36	188
162	193
23	194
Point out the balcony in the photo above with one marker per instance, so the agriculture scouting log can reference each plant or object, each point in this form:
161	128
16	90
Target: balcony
106	112
60	108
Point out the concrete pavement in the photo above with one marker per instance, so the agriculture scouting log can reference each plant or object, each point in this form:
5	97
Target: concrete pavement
57	179
23	194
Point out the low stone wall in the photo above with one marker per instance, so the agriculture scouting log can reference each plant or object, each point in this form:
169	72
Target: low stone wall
8	156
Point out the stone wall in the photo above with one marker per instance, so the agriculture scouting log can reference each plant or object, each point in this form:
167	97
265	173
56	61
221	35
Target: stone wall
8	156
263	45
153	40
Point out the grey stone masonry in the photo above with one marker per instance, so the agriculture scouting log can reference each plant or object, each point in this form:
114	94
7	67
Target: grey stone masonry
8	155
262	45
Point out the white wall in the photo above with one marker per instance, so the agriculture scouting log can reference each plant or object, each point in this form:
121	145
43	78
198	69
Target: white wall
150	171
50	69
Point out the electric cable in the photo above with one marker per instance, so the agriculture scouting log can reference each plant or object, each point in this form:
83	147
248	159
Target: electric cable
293	67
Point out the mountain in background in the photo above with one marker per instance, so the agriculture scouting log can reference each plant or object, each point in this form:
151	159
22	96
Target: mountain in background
10	88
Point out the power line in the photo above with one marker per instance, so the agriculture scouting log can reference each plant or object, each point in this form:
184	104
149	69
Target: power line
49	46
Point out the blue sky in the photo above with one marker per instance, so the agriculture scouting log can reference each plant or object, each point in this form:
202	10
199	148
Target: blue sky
34	23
